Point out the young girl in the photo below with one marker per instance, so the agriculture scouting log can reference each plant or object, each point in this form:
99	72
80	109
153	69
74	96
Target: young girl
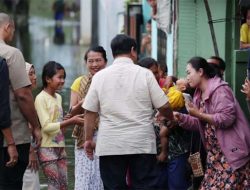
48	103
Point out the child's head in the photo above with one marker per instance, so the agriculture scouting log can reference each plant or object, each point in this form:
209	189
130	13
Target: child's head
162	69
181	84
169	82
150	64
148	26
31	73
53	73
218	64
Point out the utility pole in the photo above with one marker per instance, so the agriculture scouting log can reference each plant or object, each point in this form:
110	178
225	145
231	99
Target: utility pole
210	22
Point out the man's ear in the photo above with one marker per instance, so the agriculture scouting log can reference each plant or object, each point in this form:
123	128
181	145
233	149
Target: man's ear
6	26
133	51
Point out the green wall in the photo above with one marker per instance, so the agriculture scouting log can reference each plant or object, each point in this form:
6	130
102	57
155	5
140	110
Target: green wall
194	37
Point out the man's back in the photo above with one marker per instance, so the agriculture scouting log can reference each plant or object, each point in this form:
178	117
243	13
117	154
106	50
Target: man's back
127	94
18	79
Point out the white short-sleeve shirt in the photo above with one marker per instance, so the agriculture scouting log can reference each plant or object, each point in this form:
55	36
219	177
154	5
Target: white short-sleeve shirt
125	94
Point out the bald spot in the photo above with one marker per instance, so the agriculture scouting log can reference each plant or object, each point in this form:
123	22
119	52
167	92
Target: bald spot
4	18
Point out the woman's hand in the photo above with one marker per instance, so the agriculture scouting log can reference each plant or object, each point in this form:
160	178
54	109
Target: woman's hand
246	88
177	116
67	116
193	110
33	161
78	120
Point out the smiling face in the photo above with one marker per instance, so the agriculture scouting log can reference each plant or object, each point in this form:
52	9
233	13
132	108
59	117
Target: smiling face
57	81
193	76
32	76
95	62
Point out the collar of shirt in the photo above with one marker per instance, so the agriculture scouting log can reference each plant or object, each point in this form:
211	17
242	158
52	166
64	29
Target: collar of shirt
123	60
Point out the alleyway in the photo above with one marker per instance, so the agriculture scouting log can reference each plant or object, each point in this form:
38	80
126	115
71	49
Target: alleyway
69	54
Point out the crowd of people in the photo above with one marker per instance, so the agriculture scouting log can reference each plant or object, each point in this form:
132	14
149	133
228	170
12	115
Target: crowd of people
131	123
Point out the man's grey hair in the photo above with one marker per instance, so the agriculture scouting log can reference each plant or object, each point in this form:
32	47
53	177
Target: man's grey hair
5	18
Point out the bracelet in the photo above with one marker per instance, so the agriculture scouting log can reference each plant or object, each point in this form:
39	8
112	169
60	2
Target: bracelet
11	144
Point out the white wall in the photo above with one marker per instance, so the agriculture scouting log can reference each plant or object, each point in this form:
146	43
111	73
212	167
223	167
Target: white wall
110	22
86	21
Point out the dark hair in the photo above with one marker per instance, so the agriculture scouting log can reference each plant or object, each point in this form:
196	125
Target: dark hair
147	62
149	21
218	67
49	70
201	63
222	64
98	49
174	79
163	67
122	44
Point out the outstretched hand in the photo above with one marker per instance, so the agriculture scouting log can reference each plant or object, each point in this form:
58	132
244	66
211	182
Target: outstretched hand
246	88
78	119
193	110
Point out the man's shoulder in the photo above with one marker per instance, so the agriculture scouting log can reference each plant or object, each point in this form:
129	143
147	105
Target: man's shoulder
7	52
10	49
103	72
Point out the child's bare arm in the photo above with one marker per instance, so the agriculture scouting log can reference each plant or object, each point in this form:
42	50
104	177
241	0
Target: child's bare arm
164	132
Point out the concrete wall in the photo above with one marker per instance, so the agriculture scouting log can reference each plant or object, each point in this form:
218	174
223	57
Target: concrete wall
86	21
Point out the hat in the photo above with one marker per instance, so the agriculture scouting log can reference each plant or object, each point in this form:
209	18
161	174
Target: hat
28	67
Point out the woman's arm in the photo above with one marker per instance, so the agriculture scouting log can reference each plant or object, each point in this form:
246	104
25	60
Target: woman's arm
75	104
187	121
224	107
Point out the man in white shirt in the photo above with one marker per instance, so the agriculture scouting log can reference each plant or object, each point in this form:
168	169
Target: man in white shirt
124	95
